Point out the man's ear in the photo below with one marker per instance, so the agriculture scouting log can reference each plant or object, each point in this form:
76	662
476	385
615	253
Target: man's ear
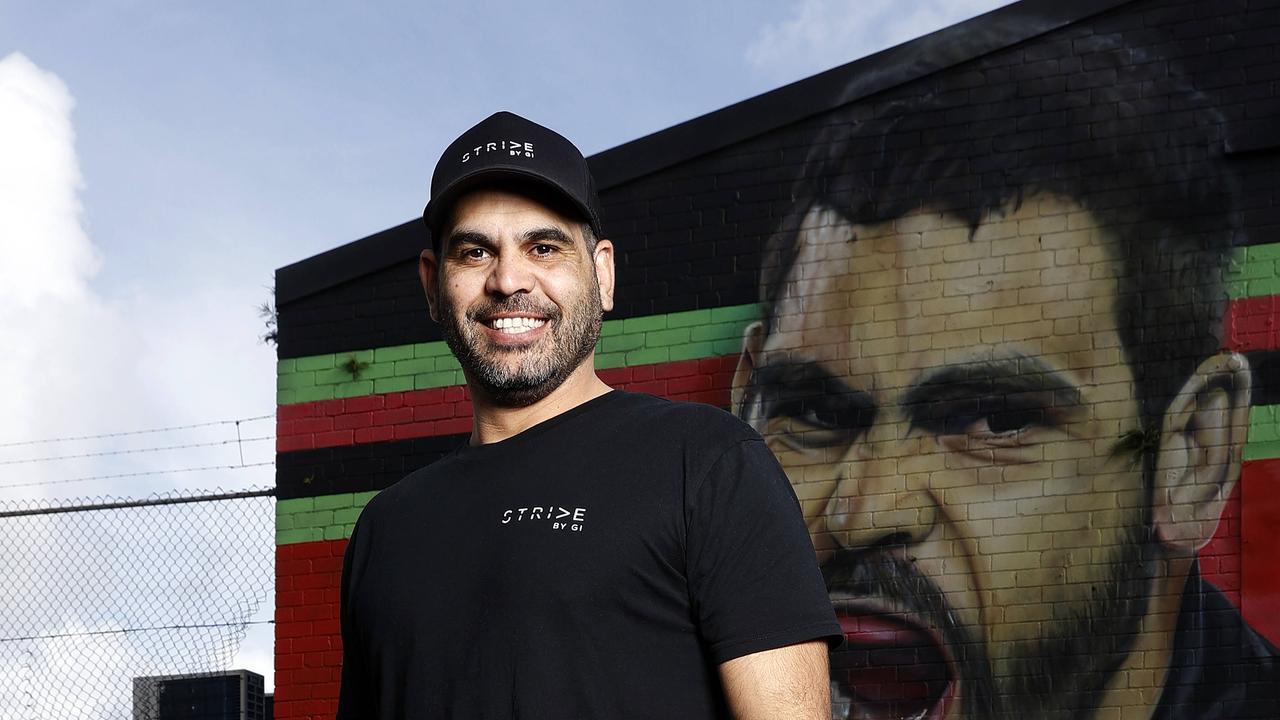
603	259
427	267
752	342
1201	444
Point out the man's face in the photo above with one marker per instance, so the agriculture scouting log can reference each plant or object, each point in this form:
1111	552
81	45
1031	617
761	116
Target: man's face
517	294
945	406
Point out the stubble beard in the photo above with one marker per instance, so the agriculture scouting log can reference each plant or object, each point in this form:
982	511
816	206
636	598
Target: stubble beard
537	372
1059	675
1064	672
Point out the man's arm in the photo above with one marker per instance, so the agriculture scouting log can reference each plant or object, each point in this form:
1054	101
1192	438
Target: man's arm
786	683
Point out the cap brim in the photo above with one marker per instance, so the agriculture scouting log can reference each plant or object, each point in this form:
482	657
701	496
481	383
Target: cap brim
437	210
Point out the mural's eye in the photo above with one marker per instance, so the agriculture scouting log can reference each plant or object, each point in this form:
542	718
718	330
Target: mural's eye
1004	428
1012	421
983	421
814	423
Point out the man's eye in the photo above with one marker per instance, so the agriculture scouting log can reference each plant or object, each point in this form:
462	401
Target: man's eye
543	250
475	253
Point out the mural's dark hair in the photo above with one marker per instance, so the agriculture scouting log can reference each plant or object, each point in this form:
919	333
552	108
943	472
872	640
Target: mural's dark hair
1156	181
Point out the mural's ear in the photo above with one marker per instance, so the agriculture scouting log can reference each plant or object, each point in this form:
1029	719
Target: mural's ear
430	280
1201	444
752	341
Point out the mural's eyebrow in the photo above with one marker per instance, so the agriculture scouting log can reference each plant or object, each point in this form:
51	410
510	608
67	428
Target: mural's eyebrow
1014	375
800	373
780	381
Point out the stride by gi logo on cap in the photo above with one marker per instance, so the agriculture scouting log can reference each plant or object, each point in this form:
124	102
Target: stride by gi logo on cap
514	148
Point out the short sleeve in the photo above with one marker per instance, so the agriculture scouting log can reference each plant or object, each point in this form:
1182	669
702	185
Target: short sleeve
753	576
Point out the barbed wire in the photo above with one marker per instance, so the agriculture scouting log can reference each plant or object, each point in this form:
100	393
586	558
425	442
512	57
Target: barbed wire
124	433
126	631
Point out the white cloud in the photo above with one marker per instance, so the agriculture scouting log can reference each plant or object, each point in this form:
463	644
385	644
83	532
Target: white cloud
76	362
47	255
821	34
63	361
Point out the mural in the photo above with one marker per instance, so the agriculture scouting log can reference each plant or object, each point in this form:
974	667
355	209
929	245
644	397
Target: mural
1005	303
991	362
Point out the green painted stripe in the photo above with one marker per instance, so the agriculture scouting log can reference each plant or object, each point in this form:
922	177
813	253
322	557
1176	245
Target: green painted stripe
671	337
324	517
690	335
1255	272
1264	433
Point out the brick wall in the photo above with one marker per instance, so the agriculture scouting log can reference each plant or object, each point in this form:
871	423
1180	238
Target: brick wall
959	252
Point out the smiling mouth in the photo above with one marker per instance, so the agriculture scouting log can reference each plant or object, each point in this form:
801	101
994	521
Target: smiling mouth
515	325
890	667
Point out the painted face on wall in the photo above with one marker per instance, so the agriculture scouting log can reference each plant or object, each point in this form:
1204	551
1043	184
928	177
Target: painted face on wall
947	404
519	295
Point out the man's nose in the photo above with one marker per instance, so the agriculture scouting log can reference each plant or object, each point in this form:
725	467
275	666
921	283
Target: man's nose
883	494
510	274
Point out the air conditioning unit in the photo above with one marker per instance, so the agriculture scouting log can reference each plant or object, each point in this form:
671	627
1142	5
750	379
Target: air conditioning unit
230	695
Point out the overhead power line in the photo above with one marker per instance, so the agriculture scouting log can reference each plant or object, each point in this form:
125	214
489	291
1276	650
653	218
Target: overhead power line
135	451
135	474
171	428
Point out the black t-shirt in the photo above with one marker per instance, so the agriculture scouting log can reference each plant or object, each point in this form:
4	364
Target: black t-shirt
600	564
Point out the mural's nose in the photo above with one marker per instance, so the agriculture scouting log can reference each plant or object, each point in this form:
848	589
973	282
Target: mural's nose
872	504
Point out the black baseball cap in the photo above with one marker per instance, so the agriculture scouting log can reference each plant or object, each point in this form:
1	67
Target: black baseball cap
507	147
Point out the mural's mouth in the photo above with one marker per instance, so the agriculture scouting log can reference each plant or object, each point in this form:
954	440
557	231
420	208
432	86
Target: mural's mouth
891	666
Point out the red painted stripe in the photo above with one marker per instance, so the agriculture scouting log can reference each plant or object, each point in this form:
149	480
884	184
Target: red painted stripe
1250	324
1259	533
447	411
308	634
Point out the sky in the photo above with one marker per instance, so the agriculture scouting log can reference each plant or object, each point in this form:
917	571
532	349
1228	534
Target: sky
158	161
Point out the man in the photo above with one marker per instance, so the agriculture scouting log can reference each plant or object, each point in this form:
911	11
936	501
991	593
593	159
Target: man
990	366
591	553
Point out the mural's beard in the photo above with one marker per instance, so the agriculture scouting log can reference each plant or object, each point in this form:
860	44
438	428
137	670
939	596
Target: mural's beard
1059	674
540	366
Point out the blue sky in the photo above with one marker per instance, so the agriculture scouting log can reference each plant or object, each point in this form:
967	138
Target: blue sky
158	160
286	128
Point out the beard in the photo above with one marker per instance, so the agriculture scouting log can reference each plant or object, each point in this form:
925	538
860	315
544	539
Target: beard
536	372
1062	673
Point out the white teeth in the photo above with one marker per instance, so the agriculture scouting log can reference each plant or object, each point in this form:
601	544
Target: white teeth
517	325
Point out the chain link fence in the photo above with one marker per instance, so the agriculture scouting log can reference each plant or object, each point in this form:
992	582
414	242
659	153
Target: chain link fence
96	593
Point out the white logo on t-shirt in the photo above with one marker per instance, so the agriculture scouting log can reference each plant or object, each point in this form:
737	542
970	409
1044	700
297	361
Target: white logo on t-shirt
560	518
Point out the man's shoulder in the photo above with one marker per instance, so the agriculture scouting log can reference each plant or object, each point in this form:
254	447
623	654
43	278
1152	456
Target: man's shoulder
689	421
